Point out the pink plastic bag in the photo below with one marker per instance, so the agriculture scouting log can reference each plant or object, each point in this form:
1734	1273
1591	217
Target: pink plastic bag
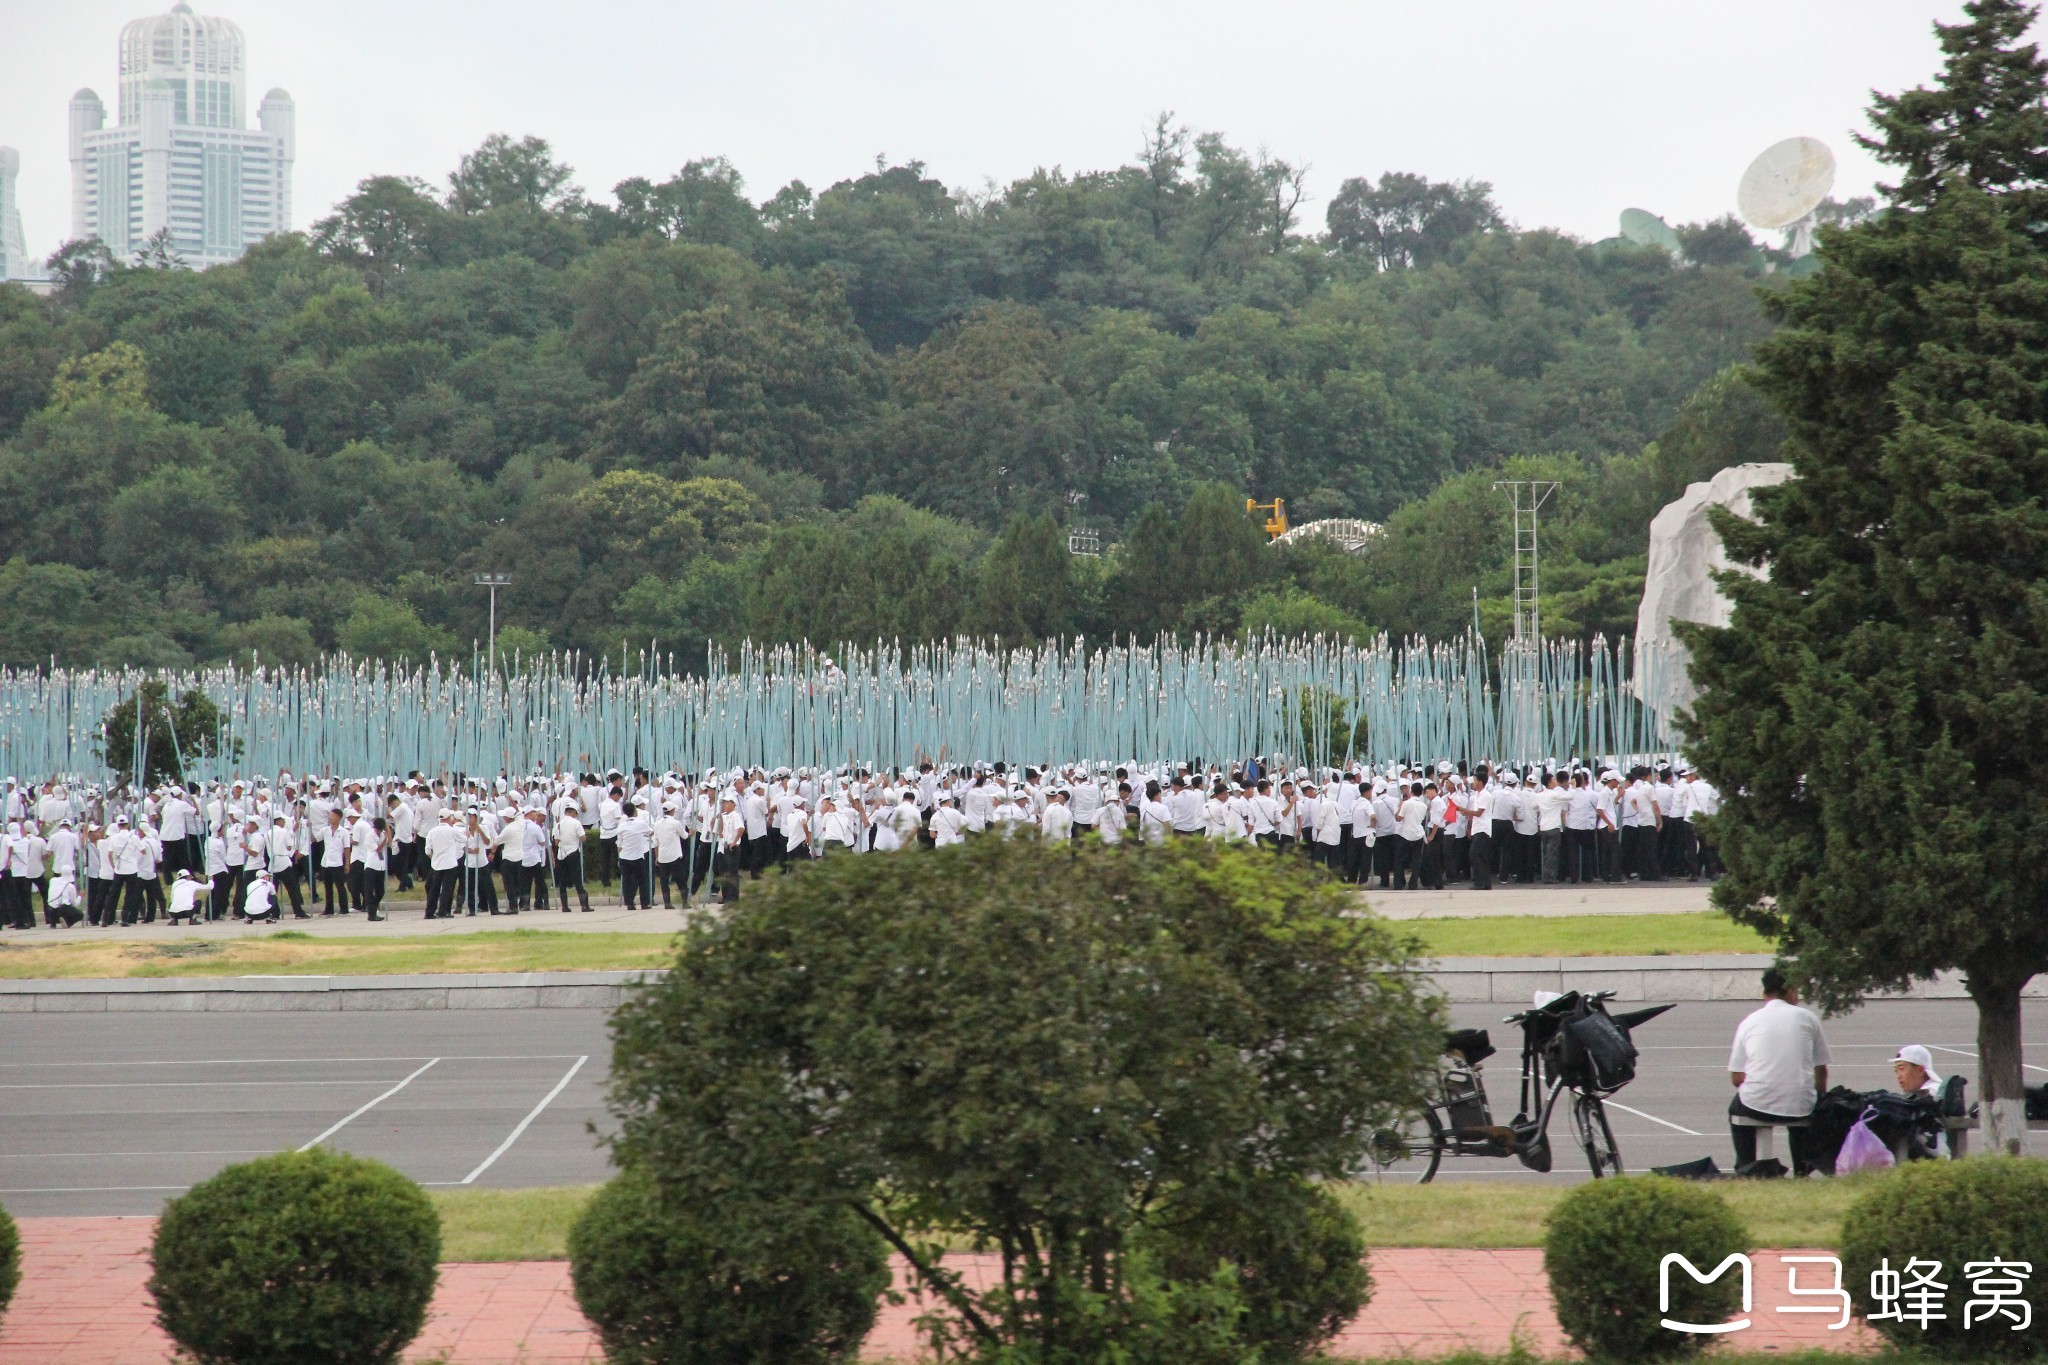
1862	1150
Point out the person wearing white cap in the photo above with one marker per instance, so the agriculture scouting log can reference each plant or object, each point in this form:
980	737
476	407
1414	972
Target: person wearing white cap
259	902
185	893
61	901
1913	1069
568	843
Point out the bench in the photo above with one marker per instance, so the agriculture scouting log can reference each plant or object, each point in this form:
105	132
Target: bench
1767	1133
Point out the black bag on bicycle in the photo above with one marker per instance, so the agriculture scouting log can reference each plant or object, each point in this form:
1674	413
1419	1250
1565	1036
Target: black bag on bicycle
1591	1053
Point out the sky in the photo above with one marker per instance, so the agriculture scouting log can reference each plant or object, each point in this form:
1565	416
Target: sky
1573	110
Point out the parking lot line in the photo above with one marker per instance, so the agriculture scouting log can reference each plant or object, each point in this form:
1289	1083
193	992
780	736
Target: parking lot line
1615	1104
513	1137
368	1107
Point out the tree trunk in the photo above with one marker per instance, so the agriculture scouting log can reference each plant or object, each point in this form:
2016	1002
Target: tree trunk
2000	1087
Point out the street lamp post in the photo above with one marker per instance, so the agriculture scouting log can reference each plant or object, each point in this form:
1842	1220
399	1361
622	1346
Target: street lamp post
494	581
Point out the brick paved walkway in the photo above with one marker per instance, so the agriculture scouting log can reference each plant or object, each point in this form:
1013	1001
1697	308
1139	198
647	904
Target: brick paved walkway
82	1302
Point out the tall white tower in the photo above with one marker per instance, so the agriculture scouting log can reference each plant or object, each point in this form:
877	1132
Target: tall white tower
180	155
13	250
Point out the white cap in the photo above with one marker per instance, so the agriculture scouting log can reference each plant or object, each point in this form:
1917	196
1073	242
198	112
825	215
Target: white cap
1917	1055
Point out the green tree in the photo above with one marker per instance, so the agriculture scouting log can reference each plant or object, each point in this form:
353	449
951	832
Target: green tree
1407	220
1046	1072
381	628
1875	708
1027	589
172	735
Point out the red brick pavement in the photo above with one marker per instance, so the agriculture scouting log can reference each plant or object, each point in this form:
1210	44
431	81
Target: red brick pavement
82	1302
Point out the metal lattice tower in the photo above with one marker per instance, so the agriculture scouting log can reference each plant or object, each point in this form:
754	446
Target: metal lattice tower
1526	496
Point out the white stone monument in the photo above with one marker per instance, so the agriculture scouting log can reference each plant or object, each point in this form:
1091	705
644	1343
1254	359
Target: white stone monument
1685	554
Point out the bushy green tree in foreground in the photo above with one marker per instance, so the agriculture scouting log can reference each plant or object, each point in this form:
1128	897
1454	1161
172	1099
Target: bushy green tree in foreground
1047	1049
1875	710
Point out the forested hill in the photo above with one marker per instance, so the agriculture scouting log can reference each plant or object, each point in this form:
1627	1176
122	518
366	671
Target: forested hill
870	410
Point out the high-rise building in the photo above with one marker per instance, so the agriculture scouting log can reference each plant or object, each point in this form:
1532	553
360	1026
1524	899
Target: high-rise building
13	251
180	154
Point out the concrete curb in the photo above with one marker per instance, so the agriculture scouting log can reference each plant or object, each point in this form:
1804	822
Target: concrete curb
250	994
1702	976
1464	980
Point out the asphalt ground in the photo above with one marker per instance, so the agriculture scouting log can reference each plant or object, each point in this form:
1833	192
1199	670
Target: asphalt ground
111	1114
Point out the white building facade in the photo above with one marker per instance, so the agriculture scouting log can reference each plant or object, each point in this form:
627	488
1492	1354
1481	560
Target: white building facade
179	154
13	251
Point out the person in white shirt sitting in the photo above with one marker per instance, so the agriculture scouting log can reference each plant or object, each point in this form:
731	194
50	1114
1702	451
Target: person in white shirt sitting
1779	1067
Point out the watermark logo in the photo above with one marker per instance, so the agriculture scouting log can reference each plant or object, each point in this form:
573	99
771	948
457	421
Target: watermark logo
1699	1277
1913	1294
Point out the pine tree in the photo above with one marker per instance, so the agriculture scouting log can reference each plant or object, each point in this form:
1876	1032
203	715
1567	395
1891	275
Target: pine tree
1877	711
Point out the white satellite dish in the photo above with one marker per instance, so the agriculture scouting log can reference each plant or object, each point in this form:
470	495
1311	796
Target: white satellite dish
1784	185
1645	228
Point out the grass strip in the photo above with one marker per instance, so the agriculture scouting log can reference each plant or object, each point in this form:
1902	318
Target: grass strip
533	1225
291	953
1490	1213
1585	935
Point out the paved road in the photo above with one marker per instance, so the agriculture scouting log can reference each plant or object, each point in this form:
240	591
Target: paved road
106	1114
109	1114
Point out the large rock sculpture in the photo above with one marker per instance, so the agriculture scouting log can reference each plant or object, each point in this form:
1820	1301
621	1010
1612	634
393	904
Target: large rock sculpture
1685	554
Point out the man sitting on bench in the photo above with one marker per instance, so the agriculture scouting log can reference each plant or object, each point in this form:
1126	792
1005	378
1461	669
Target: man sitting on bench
1779	1067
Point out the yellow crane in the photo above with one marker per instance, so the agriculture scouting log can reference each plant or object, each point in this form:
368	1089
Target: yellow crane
1276	520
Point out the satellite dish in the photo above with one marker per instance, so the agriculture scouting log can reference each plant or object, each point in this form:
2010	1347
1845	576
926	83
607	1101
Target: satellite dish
1784	185
1645	228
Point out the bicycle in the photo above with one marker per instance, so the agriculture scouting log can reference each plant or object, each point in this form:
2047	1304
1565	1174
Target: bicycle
1570	1044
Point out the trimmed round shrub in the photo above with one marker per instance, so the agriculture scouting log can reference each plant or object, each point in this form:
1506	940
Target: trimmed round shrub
666	1283
306	1258
10	1260
1299	1256
1955	1212
1606	1243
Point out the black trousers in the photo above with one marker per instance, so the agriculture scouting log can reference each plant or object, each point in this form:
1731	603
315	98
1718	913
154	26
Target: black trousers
607	858
333	887
636	881
1407	863
373	890
70	914
1506	862
1432	870
674	876
102	900
440	887
1639	851
1608	844
569	874
287	882
729	862
517	880
1482	860
1744	1137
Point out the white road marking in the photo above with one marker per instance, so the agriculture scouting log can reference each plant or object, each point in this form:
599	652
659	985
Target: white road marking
162	1152
100	1189
368	1107
175	1085
1611	1104
506	1145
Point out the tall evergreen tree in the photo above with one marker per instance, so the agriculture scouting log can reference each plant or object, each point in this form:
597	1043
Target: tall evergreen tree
1027	582
1876	710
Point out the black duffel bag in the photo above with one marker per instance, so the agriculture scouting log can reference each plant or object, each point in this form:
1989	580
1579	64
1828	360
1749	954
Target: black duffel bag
1592	1053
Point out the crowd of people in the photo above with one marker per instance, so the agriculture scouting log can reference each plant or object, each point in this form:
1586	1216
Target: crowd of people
250	848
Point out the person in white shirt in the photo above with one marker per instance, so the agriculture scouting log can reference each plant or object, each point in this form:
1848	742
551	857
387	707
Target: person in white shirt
635	838
1702	801
1112	817
731	834
1779	1067
373	847
1190	810
260	903
1581	858
533	857
1411	819
1155	816
949	826
1913	1069
1549	802
513	832
61	901
1057	821
1607	825
444	850
569	858
185	893
333	851
1639	825
906	821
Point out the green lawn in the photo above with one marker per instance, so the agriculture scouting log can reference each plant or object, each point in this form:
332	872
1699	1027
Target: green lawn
288	953
533	1225
1585	936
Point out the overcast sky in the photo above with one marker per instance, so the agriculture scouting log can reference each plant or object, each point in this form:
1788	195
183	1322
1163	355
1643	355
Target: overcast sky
1574	109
